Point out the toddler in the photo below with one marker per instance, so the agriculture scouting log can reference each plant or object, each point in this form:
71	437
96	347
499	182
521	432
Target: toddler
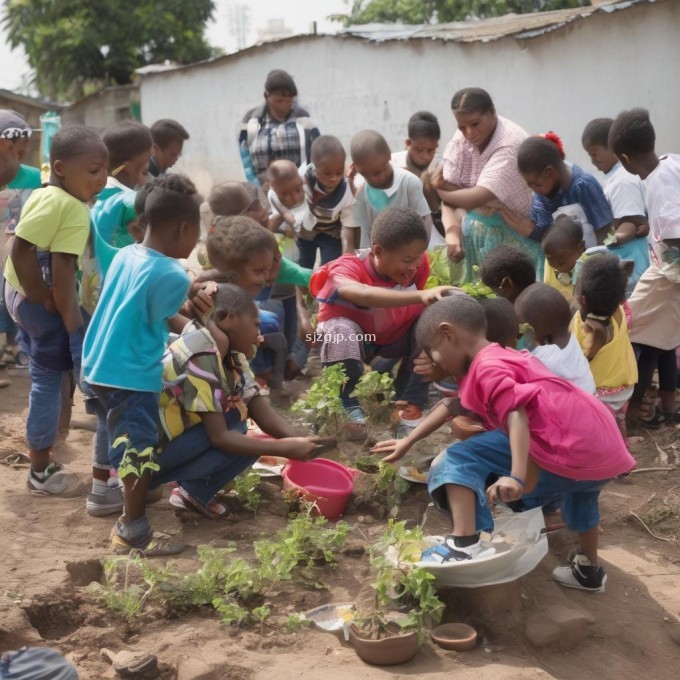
507	271
601	328
41	289
286	196
535	421
563	247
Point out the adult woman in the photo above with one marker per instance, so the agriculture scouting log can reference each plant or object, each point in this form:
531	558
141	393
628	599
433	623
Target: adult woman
279	128
480	176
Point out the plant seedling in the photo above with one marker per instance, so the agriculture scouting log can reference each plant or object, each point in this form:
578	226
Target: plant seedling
321	407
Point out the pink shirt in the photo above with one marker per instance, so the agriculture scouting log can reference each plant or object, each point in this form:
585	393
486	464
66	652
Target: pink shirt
494	169
572	433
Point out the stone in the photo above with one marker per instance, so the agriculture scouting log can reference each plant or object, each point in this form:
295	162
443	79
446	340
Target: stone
558	625
540	631
195	669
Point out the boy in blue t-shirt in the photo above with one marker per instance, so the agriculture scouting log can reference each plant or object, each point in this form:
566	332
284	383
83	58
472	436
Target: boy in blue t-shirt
561	188
144	287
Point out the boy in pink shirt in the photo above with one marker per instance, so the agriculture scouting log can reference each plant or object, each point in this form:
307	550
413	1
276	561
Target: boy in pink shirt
546	440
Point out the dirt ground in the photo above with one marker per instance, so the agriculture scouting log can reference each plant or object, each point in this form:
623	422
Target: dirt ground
51	552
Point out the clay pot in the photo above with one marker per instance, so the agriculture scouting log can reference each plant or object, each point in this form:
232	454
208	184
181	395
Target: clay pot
389	651
458	637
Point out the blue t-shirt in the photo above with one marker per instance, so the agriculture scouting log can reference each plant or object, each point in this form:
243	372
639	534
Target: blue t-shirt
126	338
585	191
115	207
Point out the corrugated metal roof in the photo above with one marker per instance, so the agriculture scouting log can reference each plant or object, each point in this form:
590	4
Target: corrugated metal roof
520	26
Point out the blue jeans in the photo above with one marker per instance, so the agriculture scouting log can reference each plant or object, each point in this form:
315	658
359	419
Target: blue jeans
52	353
100	443
469	463
32	663
330	247
199	468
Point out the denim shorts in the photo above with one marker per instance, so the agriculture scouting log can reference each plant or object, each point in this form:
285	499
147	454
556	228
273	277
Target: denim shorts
471	462
130	414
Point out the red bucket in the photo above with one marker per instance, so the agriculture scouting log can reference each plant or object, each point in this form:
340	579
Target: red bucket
324	482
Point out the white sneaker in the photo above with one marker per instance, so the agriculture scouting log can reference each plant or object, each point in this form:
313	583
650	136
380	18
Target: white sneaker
107	503
55	482
581	574
448	551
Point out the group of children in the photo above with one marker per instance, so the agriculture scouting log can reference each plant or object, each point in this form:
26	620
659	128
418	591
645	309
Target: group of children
98	293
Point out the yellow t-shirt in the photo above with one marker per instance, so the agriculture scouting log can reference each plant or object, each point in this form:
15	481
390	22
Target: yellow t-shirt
550	277
614	365
54	221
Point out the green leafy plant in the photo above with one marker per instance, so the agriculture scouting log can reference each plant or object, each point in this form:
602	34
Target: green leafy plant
322	407
477	288
440	268
246	488
135	462
375	392
296	621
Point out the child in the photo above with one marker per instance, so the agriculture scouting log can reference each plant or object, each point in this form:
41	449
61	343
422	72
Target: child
600	326
129	144
385	185
562	189
144	287
548	316
331	205
563	247
287	199
507	271
208	395
534	419
502	325
655	303
41	290
626	196
368	304
168	141
421	146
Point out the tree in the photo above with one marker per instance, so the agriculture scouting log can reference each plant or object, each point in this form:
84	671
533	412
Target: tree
78	46
442	11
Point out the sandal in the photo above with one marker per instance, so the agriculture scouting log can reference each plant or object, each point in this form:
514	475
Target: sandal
182	500
659	419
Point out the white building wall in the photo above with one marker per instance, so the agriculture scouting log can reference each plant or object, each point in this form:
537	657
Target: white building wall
557	81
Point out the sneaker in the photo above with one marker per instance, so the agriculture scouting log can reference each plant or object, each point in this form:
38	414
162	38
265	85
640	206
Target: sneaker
108	503
581	574
407	414
55	482
356	425
147	546
448	551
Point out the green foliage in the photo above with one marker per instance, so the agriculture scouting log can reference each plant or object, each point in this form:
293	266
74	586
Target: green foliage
442	11
246	489
321	407
440	268
375	392
135	462
296	621
76	46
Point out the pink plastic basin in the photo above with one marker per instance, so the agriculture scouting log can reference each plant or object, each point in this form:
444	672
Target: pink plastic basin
320	481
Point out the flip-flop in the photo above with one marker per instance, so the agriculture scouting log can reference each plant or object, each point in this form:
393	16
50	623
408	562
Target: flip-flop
181	500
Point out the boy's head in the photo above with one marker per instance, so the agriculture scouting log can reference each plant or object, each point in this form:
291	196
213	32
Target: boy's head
632	139
501	321
371	156
507	271
129	144
279	94
241	248
595	142
423	138
172	214
285	181
451	331
601	286
79	162
14	135
563	244
238	317
328	157
547	311
475	115
540	163
399	239
168	140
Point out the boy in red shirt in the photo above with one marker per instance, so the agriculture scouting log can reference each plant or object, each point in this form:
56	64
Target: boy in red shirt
368	304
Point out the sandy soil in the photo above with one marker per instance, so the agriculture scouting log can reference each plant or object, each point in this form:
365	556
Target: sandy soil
51	551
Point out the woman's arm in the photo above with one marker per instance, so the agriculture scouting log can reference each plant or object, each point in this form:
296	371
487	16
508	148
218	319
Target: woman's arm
64	290
468	199
453	233
524	226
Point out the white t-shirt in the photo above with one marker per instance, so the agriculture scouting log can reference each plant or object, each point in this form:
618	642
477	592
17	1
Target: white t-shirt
663	198
569	363
625	193
303	219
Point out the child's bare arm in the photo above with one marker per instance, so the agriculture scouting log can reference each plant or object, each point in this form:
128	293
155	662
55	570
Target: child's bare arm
628	228
64	290
595	337
511	488
363	295
347	239
25	261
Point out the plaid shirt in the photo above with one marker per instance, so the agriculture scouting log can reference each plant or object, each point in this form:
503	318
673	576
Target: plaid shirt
494	169
273	140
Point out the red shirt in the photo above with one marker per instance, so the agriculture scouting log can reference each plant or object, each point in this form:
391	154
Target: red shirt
388	324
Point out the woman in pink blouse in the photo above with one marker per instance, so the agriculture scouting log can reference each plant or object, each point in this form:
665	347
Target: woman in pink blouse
480	176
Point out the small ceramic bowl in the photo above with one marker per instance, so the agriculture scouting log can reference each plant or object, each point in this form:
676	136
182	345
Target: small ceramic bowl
458	637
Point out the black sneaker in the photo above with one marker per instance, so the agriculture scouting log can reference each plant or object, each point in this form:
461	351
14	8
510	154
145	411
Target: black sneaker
581	574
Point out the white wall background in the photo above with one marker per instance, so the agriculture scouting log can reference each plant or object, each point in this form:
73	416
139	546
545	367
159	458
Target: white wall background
558	81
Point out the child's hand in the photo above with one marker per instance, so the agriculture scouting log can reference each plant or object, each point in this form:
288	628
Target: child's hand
201	301
299	448
352	171
437	180
396	448
505	490
289	219
425	367
432	295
